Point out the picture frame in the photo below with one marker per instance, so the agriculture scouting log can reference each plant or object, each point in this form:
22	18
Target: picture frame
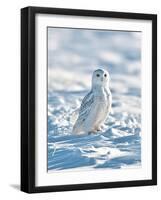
29	105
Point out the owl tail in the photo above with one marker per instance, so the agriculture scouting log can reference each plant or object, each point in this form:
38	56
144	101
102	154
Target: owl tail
77	129
74	116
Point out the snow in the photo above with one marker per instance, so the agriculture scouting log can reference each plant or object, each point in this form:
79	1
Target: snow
73	54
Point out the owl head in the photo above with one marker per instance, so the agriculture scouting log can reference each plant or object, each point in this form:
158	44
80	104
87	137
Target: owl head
100	77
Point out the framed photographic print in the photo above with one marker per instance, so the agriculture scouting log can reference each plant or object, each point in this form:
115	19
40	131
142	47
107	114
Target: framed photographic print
88	99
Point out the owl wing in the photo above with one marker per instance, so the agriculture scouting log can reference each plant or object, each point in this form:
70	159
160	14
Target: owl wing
86	106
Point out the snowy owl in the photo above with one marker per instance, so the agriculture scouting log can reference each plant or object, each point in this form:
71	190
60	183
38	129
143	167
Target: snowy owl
95	106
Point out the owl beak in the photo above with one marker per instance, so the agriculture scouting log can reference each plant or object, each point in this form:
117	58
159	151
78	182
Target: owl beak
101	78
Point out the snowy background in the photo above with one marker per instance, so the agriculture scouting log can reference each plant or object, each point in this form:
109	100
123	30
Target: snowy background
73	54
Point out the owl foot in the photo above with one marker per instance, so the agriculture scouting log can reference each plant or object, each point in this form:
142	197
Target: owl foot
92	132
95	130
103	127
99	129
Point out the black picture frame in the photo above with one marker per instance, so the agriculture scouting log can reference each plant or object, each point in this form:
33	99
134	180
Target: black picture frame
28	98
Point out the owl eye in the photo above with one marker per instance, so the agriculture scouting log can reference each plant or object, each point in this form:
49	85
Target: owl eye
105	75
97	75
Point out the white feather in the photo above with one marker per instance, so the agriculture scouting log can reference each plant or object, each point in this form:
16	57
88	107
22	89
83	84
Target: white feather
95	106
